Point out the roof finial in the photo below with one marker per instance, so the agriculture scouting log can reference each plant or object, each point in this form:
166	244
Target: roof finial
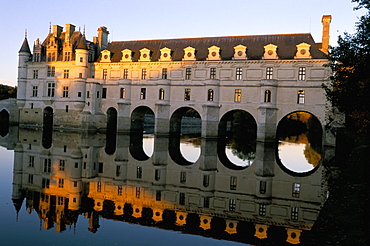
25	33
84	30
49	27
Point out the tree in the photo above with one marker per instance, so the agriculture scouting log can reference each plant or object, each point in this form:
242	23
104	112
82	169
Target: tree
7	92
349	90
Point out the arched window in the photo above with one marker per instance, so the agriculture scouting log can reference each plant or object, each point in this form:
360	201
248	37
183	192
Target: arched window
210	95
161	94
267	96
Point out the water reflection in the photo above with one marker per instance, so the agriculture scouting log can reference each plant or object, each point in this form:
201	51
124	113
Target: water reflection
300	140
76	180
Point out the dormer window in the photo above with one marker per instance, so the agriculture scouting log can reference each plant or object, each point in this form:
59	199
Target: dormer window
67	56
126	55
144	55
165	54
105	56
240	52
270	52
214	53
303	51
189	54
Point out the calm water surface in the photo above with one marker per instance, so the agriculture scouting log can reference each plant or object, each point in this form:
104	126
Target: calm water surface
229	191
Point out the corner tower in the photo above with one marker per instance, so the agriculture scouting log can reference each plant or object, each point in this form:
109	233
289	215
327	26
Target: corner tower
24	55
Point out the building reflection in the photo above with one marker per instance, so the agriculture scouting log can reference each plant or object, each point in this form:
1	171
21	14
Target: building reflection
76	176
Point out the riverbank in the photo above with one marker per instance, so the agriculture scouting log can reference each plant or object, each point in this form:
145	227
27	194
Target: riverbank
344	218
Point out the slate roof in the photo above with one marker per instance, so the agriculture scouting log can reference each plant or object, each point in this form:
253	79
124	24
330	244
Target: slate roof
25	47
255	46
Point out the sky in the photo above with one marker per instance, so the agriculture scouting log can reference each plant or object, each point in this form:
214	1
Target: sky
164	19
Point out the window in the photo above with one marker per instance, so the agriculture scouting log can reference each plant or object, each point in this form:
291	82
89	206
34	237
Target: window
105	72
269	71
31	161
187	94
157	174
81	59
239	73
51	71
161	94
188	73
206	202
34	91
61	183
97	94
119	190
300	99
267	96
47	166
262	210
164	73
122	93
232	204
104	93
51	89
79	94
137	192
296	189
118	171
294	213
143	73
36	57
35	74
139	172
30	178
210	95
51	57
62	165
233	182
75	183
301	73
212	74
143	93
205	180
238	95
65	91
45	183
183	177
100	169
66	74
125	73
80	75
67	56
158	195
76	164
262	187
182	198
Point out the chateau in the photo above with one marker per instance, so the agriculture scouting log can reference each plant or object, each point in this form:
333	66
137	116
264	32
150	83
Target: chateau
81	83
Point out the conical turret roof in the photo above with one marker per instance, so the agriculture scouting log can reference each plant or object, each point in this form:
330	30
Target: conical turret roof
82	45
25	47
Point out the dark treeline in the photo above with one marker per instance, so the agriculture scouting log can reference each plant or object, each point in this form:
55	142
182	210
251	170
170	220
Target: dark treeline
7	91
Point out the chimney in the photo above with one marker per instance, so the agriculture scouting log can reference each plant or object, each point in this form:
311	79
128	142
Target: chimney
69	30
326	19
57	30
102	37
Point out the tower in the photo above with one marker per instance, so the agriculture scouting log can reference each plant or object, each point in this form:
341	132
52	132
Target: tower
24	55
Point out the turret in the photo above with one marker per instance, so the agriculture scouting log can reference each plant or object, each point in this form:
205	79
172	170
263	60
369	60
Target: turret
24	55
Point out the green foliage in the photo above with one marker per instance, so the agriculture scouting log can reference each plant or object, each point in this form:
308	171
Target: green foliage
350	63
7	92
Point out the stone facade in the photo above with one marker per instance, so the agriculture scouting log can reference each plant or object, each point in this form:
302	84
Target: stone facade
269	76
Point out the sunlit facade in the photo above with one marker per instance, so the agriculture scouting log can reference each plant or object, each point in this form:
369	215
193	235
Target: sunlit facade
269	76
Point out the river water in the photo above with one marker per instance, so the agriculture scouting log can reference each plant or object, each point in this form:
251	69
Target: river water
227	191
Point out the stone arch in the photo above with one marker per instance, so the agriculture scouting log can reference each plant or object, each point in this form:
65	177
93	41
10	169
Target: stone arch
4	122
111	132
47	129
239	127
142	121
304	129
183	121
